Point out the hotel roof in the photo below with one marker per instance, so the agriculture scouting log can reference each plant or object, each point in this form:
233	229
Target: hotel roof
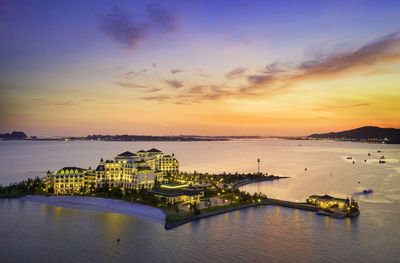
154	150
126	154
73	168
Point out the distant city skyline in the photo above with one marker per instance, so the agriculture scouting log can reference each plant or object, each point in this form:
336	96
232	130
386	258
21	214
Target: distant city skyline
287	68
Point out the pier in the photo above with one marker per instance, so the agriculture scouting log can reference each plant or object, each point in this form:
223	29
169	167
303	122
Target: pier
268	201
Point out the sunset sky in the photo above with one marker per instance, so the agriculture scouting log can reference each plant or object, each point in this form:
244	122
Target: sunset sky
198	67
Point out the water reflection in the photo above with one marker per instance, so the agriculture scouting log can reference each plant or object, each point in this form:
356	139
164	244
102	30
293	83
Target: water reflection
258	234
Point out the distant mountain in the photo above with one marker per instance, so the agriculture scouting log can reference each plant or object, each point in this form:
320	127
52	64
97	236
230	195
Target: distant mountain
367	133
13	136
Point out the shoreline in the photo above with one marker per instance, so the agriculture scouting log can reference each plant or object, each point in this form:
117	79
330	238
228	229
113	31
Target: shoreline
248	181
157	215
100	204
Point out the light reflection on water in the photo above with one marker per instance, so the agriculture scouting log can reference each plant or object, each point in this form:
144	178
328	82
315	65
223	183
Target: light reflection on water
34	232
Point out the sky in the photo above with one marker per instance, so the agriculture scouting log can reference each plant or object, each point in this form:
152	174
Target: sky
245	67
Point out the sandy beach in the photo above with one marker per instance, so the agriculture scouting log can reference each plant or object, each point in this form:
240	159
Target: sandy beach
104	205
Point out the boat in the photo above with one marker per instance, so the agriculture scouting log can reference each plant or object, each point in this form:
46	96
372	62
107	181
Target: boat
379	151
382	161
367	191
369	154
382	157
349	157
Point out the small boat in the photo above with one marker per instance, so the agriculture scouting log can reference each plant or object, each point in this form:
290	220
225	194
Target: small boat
382	157
379	151
349	157
367	191
382	161
369	154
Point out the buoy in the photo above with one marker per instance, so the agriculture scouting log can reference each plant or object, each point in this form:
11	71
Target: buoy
118	239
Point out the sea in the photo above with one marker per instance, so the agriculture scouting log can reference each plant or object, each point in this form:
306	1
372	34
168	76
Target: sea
35	232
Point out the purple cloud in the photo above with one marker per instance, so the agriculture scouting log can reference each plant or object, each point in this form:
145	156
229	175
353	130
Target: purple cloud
123	27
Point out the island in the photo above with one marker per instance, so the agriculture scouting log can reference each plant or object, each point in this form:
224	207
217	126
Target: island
370	134
153	178
15	135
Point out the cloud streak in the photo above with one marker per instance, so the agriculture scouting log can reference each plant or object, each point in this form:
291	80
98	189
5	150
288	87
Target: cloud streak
341	107
341	64
53	103
176	71
236	73
176	84
131	85
276	79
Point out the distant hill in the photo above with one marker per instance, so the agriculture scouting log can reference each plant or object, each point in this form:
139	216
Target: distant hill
15	135
367	133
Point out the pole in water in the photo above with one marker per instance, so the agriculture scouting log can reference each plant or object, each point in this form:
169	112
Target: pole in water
258	161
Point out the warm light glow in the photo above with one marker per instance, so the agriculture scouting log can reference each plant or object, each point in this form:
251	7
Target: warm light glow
197	77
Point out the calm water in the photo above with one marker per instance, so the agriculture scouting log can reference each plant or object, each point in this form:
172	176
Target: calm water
32	232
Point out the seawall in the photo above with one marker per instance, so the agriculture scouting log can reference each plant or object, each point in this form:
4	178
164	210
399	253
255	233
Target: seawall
268	201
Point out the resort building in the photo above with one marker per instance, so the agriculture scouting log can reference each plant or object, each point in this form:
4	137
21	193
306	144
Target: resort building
70	179
326	201
127	170
179	193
